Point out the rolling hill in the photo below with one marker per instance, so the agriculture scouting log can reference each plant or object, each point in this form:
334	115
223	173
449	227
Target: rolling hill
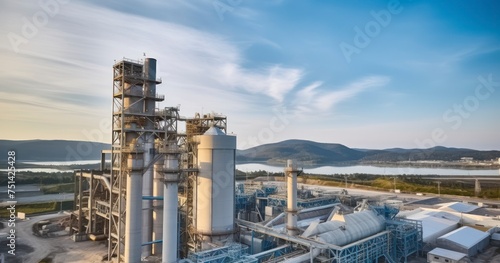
307	152
322	153
54	150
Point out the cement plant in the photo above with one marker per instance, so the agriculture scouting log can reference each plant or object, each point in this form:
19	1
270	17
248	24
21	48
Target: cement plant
163	195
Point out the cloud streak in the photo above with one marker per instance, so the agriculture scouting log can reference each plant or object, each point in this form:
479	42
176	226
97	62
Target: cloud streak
312	99
70	61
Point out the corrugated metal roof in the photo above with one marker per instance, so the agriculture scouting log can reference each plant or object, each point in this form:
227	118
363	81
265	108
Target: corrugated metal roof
458	207
432	226
435	213
465	236
356	226
441	252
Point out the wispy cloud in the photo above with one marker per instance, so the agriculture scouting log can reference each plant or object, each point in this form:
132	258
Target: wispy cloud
246	66
70	59
275	81
312	99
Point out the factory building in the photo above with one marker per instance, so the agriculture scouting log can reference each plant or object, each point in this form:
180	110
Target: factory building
453	232
163	195
434	225
441	255
466	240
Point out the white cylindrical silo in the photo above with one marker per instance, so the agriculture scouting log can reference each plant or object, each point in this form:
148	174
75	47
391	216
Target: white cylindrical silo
170	205
134	209
214	188
291	175
158	206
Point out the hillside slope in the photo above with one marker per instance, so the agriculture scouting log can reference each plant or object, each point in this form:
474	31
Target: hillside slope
323	153
305	151
54	150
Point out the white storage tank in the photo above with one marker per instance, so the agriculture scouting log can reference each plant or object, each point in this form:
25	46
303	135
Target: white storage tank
345	229
214	188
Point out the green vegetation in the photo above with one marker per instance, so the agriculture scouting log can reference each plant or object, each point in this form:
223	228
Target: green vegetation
31	209
405	183
41	178
309	152
240	175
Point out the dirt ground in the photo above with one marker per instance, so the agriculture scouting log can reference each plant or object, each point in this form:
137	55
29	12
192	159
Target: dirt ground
490	255
61	249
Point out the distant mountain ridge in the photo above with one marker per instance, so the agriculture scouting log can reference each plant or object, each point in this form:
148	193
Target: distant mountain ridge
323	153
307	152
54	150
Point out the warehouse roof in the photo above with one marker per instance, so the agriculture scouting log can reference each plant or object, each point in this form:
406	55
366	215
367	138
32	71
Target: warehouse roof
432	225
458	207
465	236
419	213
447	253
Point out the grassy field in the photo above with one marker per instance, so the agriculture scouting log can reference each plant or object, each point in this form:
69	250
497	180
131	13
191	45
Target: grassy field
405	183
31	209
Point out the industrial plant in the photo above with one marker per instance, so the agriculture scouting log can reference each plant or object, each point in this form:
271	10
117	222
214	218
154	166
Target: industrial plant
162	195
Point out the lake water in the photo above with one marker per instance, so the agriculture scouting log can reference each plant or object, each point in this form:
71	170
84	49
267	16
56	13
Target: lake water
65	162
44	169
367	169
249	167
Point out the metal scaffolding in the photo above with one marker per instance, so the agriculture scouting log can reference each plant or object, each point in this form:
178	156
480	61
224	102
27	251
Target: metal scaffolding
406	238
132	127
91	212
228	254
366	250
280	201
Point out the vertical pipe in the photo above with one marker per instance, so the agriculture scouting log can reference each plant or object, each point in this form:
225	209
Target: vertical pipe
149	92
75	203
133	214
291	174
170	202
251	244
149	88
90	229
158	206
147	205
103	161
80	214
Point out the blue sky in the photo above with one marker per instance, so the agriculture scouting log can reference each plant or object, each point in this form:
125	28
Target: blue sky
367	74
